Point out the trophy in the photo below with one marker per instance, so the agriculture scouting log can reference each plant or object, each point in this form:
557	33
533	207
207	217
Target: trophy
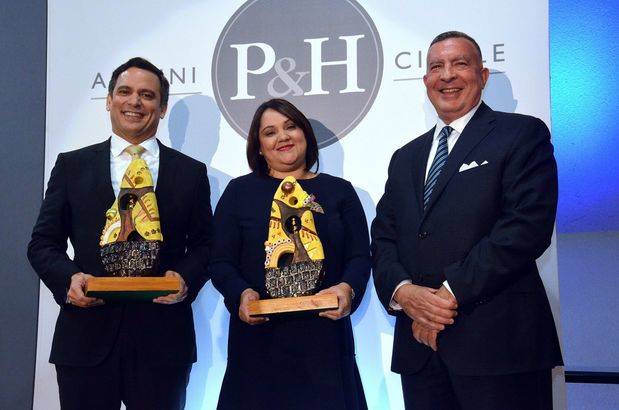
131	241
294	255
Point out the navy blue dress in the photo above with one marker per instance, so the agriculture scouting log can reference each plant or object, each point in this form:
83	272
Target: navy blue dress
304	362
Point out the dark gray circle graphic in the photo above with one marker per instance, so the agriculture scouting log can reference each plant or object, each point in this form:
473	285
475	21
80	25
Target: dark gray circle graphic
324	56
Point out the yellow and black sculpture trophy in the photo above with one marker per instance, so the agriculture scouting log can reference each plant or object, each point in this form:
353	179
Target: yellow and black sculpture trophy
294	255
131	240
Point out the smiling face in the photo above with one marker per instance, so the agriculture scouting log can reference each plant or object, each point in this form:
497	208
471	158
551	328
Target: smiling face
455	78
283	144
135	105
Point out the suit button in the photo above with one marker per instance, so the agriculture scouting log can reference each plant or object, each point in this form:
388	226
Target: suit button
422	235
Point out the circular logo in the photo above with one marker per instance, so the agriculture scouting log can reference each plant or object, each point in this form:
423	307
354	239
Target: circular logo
324	56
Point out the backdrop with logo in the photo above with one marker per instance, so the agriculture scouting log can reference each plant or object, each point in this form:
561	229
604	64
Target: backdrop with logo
354	68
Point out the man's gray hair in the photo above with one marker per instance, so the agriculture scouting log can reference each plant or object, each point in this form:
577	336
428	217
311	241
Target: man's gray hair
456	34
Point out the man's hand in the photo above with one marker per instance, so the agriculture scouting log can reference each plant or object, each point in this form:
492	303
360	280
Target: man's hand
76	295
446	294
428	336
247	296
423	305
344	300
424	335
173	297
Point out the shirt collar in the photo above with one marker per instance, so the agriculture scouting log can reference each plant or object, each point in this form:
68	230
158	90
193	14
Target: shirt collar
118	145
459	124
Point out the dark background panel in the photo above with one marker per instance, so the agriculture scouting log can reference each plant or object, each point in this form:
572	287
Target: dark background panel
22	138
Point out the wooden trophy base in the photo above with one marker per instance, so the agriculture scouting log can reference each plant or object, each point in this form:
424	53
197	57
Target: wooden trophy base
131	288
313	303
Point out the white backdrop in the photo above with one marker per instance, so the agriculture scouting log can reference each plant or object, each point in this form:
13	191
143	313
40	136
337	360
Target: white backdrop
87	38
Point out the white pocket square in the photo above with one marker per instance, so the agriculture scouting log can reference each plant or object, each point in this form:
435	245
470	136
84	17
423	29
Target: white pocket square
466	167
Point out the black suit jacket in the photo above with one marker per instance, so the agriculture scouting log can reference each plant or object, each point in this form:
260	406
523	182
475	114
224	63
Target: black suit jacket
482	232
79	193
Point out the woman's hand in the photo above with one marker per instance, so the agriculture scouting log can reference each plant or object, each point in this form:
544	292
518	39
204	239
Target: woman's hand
247	296
344	298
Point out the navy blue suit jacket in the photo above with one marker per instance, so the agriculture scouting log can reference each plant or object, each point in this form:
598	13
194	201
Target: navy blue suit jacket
482	231
79	193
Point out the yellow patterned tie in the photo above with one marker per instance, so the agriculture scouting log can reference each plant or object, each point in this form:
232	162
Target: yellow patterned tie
135	209
135	151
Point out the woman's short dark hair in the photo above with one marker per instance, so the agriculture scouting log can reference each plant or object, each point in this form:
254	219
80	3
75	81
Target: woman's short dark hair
256	162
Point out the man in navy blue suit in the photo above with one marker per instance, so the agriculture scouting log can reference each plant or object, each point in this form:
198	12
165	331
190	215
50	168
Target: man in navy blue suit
468	207
137	353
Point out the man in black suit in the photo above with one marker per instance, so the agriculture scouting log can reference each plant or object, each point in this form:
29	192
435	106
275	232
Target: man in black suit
467	209
137	353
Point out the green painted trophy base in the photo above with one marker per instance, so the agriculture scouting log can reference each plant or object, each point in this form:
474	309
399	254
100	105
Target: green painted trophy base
131	288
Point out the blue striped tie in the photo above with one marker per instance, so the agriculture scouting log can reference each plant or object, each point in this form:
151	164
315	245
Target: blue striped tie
437	165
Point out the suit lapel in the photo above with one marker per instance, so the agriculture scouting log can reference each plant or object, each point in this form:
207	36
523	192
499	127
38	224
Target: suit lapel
476	130
420	162
167	173
102	175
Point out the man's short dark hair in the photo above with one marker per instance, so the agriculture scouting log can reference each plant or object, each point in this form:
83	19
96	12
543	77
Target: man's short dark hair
456	34
256	162
144	64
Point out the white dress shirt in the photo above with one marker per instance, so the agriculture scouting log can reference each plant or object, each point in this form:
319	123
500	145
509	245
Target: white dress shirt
120	159
458	127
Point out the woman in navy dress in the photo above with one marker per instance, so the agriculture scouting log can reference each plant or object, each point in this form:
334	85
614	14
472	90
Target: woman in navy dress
293	362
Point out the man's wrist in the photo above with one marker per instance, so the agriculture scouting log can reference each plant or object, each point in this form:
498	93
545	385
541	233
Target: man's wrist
446	285
350	289
393	304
